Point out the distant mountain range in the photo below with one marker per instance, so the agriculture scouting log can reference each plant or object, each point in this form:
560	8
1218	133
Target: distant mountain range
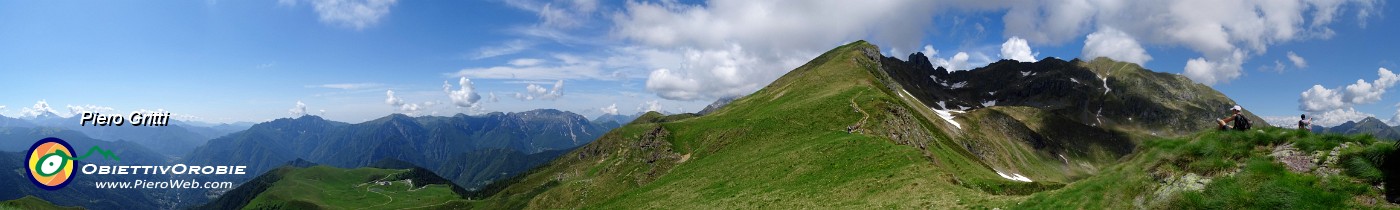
1369	125
470	150
616	118
178	138
80	192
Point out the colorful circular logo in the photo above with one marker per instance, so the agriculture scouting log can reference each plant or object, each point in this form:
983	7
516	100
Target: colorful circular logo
50	163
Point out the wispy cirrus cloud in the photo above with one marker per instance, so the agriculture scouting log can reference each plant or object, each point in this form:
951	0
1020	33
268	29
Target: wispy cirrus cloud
356	14
507	48
347	86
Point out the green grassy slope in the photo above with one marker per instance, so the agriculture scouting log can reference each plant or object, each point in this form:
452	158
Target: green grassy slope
1240	170
785	146
836	132
324	187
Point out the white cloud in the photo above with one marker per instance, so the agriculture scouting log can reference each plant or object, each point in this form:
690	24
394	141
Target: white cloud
1395	120
957	62
1338	104
610	109
410	108
1016	48
1282	121
507	48
1211	71
357	14
559	14
491	97
1226	32
392	100
650	106
1370	92
734	47
466	96
535	91
1298	61
526	62
1318	99
716	48
299	110
39	108
1338	116
346	86
1112	43
560	66
77	110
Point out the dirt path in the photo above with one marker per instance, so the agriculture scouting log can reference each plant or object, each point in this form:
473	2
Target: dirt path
864	116
391	198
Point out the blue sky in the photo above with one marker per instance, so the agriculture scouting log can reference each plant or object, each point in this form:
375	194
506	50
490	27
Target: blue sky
227	61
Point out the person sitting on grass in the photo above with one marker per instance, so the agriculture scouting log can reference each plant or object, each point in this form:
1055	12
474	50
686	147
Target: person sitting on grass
1236	120
1305	123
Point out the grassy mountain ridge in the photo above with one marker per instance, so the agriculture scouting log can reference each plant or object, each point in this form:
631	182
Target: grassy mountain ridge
847	130
787	142
325	187
32	203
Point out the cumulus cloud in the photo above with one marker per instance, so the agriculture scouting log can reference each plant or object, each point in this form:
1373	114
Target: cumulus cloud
392	100
39	108
299	110
535	91
491	97
1318	98
1114	44
1364	93
1339	102
465	96
410	108
357	14
610	109
1298	61
711	49
1395	120
1016	48
1212	71
957	62
734	47
1338	116
1226	33
650	106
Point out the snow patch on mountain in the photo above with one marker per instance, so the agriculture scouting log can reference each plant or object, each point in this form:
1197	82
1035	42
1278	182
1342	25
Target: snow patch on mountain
1014	176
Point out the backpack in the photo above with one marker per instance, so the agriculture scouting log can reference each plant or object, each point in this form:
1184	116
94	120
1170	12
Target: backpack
1241	122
